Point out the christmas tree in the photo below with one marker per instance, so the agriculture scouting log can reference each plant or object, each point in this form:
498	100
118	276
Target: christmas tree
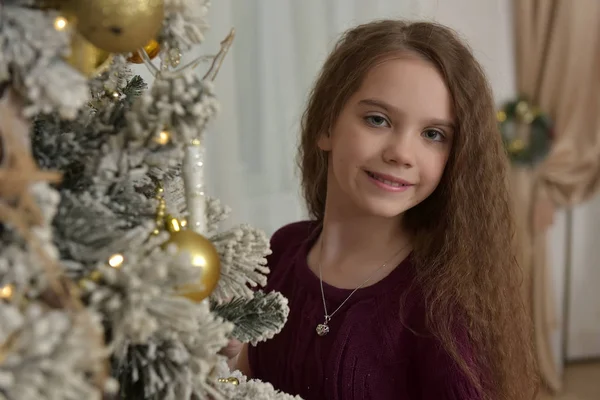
115	279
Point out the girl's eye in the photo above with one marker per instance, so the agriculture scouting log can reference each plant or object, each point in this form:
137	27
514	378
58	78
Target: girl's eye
433	134
377	121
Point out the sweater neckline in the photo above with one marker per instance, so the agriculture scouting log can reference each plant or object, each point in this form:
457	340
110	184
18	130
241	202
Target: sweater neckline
396	279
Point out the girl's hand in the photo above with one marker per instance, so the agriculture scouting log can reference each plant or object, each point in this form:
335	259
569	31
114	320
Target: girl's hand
237	357
232	351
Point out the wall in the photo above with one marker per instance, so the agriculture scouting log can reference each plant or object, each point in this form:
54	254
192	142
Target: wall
583	300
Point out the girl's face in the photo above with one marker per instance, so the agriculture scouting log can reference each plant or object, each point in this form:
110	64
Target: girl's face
390	144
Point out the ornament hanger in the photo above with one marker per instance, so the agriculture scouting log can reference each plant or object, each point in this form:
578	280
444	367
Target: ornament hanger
212	72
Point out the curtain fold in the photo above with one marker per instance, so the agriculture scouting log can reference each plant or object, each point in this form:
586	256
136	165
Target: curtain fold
558	69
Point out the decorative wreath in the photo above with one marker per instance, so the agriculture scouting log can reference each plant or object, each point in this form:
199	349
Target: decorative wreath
526	132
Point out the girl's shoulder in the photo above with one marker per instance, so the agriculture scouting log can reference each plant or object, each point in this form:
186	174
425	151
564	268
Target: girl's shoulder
295	231
286	241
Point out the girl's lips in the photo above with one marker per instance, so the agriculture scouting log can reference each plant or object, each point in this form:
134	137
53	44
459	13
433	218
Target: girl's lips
388	182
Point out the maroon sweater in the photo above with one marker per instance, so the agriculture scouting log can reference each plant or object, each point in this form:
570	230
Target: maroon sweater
376	349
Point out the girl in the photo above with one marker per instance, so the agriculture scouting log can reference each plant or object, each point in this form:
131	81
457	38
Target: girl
404	284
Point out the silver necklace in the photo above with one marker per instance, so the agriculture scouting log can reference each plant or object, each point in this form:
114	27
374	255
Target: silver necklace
323	329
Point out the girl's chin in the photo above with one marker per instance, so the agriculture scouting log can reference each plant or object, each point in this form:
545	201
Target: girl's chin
382	209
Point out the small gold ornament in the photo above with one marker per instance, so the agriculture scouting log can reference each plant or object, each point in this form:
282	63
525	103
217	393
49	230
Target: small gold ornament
204	256
516	145
152	49
160	210
174	57
86	58
117	26
501	116
232	380
95	276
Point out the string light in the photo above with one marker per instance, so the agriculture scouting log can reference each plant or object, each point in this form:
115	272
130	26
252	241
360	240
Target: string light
6	292
60	23
116	260
163	137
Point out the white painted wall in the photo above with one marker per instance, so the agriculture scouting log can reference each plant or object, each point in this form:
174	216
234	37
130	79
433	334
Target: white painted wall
557	261
583	332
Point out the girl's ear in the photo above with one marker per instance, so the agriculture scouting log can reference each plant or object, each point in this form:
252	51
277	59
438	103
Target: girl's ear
324	141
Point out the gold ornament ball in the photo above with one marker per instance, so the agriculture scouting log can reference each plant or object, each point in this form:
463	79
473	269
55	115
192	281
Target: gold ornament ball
118	26
87	58
152	48
501	116
516	146
204	256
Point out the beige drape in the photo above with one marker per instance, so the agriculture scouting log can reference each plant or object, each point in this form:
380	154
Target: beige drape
558	69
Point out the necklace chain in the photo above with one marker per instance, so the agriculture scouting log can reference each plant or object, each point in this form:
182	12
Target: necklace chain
323	329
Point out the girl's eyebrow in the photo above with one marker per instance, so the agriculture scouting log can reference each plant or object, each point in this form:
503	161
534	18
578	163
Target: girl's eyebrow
378	103
391	109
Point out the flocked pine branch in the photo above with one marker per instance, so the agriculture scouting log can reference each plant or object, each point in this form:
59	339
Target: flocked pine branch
107	186
33	61
174	196
243	252
185	23
155	333
134	88
183	104
117	77
138	298
20	267
177	365
49	354
256	319
216	213
78	148
246	389
89	229
163	346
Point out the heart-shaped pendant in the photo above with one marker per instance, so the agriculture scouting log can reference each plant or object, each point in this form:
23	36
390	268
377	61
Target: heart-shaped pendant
322	329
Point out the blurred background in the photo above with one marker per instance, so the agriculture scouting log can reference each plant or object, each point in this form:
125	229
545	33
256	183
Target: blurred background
547	51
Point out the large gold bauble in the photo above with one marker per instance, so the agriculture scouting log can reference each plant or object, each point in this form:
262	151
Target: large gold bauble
204	256
117	26
87	58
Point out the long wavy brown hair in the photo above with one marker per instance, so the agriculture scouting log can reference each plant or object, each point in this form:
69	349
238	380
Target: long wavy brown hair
464	250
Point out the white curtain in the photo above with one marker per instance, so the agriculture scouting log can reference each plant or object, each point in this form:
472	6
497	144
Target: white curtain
263	84
262	87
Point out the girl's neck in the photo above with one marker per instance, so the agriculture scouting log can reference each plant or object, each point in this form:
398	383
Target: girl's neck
358	245
359	233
